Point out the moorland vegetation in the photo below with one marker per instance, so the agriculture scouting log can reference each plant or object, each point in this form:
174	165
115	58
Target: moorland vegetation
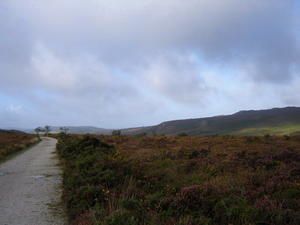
181	180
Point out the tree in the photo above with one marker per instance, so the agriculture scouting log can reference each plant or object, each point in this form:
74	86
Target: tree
64	130
47	130
37	131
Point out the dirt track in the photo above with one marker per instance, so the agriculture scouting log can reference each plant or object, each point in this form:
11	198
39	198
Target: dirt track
30	190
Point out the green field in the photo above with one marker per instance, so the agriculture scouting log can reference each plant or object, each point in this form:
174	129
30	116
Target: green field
286	129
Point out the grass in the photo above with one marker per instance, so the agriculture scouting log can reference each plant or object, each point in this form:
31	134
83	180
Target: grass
12	142
285	129
116	180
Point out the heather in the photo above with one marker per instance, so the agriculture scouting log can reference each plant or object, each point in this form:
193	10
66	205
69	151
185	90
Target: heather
181	180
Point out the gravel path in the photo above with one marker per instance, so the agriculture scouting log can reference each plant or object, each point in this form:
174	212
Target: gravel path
30	187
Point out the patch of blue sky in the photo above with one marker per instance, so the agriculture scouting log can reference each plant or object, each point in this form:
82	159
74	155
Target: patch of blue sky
44	94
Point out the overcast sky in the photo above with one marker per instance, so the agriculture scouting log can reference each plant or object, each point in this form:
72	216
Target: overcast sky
126	63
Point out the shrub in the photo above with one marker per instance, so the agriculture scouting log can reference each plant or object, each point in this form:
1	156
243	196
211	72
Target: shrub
122	217
180	181
116	133
182	135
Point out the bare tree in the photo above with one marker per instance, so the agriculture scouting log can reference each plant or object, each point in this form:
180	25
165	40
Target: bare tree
47	130
37	131
64	130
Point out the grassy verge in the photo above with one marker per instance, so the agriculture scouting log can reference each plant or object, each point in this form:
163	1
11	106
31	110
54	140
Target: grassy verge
181	180
13	142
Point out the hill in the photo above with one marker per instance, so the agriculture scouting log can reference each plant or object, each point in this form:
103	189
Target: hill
82	130
75	130
253	122
11	132
276	121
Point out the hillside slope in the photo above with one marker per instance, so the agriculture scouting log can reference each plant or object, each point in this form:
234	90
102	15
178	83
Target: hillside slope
253	122
278	121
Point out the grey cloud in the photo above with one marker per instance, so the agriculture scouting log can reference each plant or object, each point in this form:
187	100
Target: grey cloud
105	58
209	25
229	31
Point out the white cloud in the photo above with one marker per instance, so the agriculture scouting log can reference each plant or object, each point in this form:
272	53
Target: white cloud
177	77
15	109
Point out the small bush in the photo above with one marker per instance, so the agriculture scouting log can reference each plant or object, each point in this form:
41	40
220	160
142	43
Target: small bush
116	133
182	135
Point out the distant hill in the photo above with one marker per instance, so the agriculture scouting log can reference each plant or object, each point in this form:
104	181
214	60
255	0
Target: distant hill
76	130
253	122
11	131
277	121
83	130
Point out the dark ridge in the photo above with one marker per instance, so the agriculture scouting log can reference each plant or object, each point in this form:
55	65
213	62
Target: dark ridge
226	124
11	131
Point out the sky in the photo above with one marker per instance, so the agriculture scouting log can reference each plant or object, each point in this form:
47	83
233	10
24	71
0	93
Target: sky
127	63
